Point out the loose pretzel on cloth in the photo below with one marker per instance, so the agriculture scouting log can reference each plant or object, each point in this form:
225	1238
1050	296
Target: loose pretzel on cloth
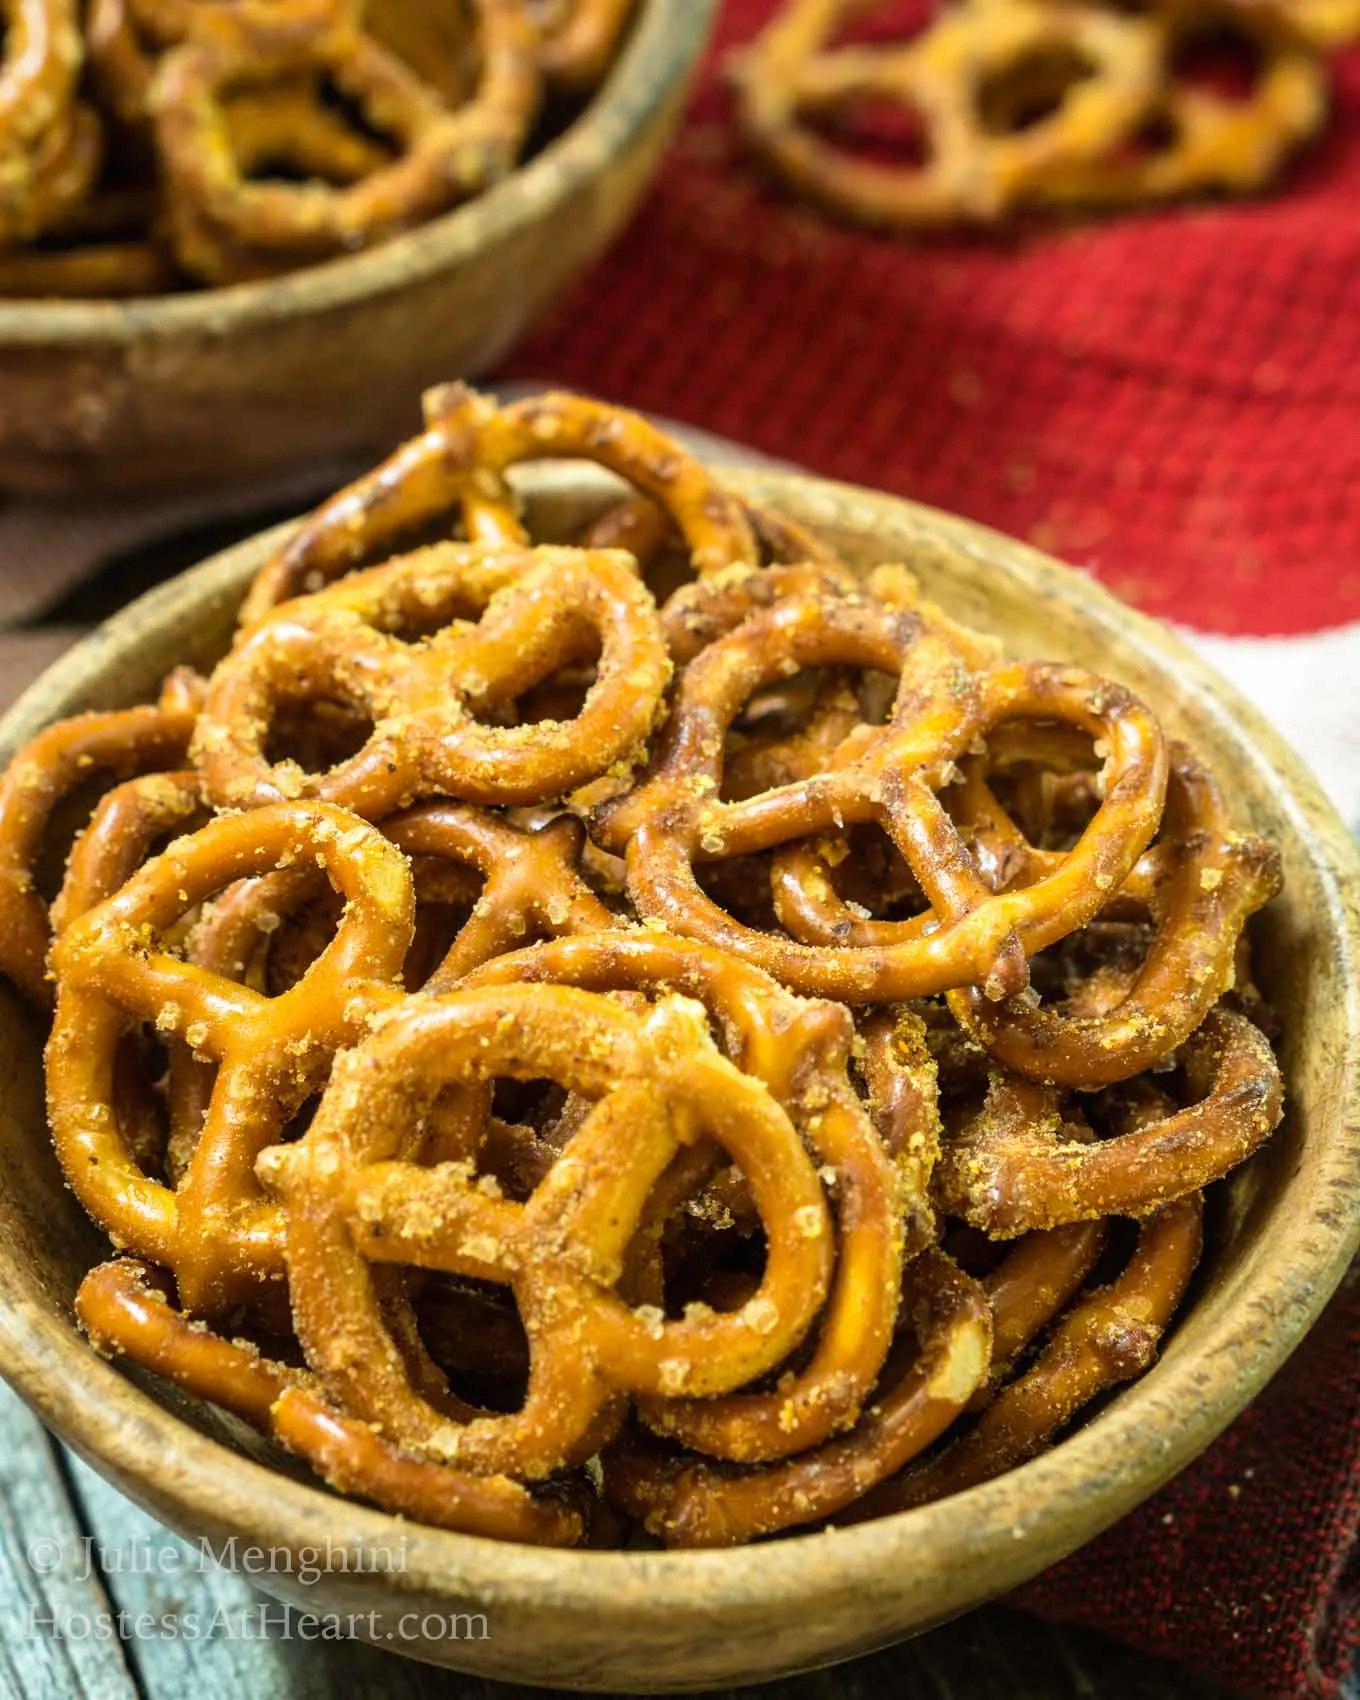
216	1231
1195	137
356	1193
970	172
49	768
456	468
427	699
125	1309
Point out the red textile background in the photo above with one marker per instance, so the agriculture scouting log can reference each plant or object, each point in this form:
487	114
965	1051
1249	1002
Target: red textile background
1171	401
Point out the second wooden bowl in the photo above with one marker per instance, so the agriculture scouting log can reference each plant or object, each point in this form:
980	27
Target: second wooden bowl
1281	1233
212	386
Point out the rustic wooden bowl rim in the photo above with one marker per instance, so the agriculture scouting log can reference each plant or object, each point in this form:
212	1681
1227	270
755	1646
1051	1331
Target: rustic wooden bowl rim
1079	1488
601	132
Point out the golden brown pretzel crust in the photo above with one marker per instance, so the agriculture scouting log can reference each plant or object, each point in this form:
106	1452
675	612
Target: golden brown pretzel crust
1045	104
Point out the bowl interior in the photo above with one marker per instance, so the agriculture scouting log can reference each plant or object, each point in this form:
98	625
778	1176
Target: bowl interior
1282	1230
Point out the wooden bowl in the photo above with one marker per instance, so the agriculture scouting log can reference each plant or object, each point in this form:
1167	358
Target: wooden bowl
211	386
1281	1233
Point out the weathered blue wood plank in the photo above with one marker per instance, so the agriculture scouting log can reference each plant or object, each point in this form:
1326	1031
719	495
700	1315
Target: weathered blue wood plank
58	1640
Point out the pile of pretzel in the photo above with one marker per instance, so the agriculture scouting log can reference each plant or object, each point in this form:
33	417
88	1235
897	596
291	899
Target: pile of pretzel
995	107
148	144
655	1027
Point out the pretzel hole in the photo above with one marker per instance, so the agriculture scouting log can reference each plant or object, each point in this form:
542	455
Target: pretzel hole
880	23
473	1332
562	693
878	130
316	733
741	886
1032	90
1219	59
874	879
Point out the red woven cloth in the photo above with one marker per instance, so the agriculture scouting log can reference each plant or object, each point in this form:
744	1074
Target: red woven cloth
1170	401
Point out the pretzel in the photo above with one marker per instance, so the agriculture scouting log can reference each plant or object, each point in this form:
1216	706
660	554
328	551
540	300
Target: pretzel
579	39
693	1503
112	271
799	1050
524	884
47	770
1009	1170
353	1194
1194	137
1200	882
39	64
970	171
216	1232
1325	24
457	465
125	1309
426	699
443	156
1107	1337
674	818
40	186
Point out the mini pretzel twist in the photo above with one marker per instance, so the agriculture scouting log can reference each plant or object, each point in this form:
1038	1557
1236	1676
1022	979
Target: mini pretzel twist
443	156
694	1503
539	608
579	39
970	172
457	465
1200	883
799	1050
125	1308
216	1231
48	769
1194	137
675	819
1010	1170
355	1192
1106	1337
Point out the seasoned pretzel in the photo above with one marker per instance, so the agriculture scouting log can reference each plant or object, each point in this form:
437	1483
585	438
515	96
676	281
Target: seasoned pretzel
443	156
694	1503
216	1231
579	39
675	818
970	172
124	1307
49	768
1200	882
1194	137
538	609
40	57
1107	1337
354	1194
799	1050
1009	1170
41	186
456	466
